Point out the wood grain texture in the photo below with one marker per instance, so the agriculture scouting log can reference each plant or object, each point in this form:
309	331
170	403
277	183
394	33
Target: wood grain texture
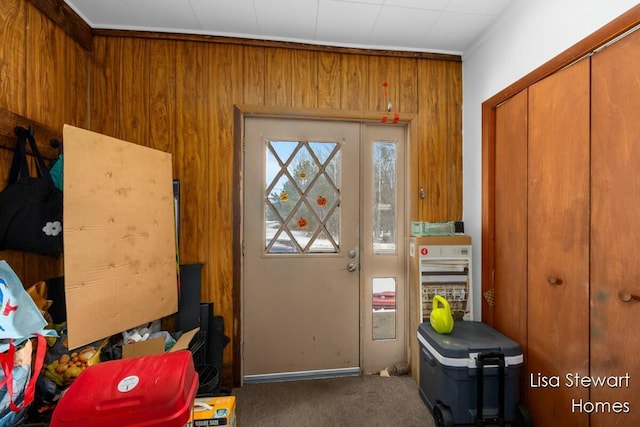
509	285
615	232
383	71
433	141
46	70
304	79
77	86
133	92
558	239
254	75
559	243
13	55
104	83
192	150
162	96
278	71
68	20
354	75
329	84
43	82
179	96
226	82
407	86
453	150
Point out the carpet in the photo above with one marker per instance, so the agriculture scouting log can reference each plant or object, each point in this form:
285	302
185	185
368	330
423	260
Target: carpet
367	400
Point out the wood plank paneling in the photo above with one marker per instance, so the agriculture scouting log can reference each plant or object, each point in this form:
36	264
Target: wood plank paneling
77	87
432	140
162	94
354	75
278	70
133	92
192	150
225	76
383	70
304	79
104	83
329	84
46	72
68	20
254	75
43	81
408	86
453	107
13	55
199	83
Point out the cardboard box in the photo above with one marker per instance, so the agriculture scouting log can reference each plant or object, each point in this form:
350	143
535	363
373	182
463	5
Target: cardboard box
156	345
214	411
119	235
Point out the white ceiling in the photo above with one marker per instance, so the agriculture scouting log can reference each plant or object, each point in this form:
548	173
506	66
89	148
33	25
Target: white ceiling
440	26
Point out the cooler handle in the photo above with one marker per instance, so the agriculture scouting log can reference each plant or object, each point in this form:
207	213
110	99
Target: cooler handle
493	358
426	354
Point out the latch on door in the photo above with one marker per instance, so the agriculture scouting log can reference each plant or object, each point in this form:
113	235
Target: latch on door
351	267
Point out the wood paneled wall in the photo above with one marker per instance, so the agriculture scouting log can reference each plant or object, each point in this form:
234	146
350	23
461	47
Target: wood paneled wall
178	96
44	78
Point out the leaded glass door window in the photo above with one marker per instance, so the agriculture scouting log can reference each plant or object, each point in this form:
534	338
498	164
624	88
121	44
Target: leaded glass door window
301	222
302	197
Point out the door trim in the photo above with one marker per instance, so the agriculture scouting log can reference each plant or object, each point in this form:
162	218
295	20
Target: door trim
242	111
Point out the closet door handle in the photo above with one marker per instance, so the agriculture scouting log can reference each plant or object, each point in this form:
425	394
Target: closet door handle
554	280
626	296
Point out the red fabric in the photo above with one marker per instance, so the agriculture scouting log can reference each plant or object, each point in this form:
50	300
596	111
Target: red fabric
7	360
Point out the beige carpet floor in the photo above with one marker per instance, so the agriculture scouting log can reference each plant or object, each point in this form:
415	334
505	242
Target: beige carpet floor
368	400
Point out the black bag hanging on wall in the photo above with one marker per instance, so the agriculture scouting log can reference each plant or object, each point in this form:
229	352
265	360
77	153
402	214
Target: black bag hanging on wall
30	206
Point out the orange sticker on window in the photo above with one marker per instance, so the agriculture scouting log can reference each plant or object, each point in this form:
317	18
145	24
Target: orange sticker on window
321	201
284	196
302	222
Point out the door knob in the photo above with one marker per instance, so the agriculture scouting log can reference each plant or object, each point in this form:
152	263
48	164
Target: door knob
554	280
626	297
351	267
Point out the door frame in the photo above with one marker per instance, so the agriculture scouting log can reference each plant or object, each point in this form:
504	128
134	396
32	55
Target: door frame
242	111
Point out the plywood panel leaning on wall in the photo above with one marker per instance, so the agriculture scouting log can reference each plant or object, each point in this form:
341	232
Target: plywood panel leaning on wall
119	235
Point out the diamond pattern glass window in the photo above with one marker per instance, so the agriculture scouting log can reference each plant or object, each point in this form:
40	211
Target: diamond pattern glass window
302	197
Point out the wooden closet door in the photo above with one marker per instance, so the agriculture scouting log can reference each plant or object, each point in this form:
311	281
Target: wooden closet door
558	244
510	210
615	232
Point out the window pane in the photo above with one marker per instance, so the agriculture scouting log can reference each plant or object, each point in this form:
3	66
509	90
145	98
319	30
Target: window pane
384	308
384	197
302	197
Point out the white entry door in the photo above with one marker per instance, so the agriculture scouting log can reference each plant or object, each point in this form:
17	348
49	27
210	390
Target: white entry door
324	265
301	265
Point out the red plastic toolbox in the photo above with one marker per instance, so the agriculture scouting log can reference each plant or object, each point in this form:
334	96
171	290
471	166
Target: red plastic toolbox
156	390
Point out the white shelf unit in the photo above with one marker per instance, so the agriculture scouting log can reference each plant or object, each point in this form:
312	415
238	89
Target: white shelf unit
443	268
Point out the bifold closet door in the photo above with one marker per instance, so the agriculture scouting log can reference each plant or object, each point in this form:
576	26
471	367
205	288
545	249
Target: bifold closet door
558	245
510	280
615	232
